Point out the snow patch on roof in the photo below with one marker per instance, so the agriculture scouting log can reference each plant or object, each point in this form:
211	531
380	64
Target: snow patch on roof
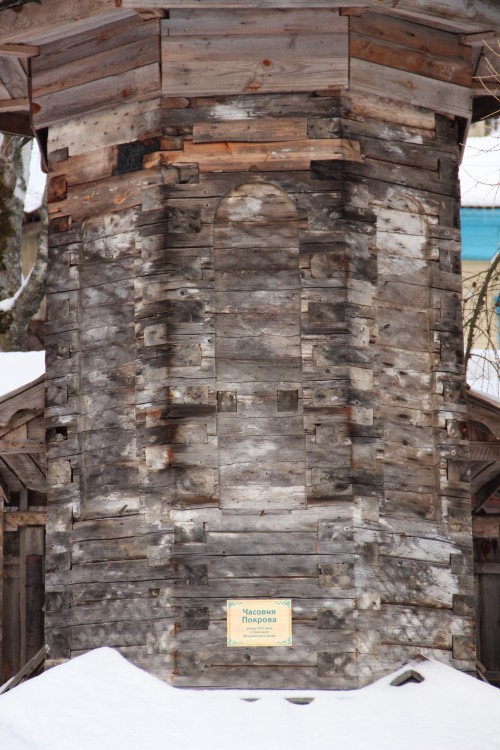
482	372
18	369
100	700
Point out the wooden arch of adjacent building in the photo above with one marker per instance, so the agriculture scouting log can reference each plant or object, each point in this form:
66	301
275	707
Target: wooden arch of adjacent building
484	435
22	526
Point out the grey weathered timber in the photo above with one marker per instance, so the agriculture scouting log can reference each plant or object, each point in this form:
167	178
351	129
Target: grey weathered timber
255	385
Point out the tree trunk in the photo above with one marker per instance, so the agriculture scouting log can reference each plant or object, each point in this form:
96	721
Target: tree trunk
19	298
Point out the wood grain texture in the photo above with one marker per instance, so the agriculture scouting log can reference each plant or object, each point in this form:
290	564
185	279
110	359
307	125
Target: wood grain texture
255	61
252	347
261	22
411	87
135	84
268	155
57	19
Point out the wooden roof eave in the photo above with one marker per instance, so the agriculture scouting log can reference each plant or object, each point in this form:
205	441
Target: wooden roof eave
34	24
484	410
459	16
485	455
29	398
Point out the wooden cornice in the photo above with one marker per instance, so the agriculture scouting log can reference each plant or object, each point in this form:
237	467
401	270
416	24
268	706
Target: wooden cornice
460	16
34	24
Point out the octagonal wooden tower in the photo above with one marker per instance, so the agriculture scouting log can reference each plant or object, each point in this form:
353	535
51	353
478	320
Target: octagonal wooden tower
255	385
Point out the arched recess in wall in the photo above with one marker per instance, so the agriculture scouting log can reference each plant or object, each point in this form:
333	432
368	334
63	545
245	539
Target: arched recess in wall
261	442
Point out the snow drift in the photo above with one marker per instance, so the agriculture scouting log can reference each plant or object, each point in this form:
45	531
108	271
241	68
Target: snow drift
100	701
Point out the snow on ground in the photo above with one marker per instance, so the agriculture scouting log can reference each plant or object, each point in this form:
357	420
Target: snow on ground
99	701
18	369
479	172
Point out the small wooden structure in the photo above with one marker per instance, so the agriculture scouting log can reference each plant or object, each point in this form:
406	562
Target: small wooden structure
484	433
255	384
22	526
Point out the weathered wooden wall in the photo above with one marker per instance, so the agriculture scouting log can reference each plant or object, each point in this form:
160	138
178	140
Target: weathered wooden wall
254	374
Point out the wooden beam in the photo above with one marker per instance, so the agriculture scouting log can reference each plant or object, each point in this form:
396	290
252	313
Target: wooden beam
16	123
485	451
214	157
479	40
484	527
16	519
14	78
486	492
15	105
19	50
1	574
55	18
483	14
22	446
28	669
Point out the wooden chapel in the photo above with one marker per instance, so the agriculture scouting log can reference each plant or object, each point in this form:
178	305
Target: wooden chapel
255	384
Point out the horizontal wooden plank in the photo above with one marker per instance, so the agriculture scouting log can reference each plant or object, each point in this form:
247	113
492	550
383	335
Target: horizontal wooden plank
190	79
195	66
21	446
13	520
282	129
58	18
91	199
114	61
238	4
405	33
12	105
135	84
431	65
68	49
261	22
371	107
18	50
119	123
242	156
438	96
326	46
456	14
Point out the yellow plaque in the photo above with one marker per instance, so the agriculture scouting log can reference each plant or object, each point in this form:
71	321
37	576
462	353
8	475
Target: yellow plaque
259	622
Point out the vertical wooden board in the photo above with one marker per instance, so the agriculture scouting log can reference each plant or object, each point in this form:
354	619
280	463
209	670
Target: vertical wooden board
489	617
1	583
35	591
11	662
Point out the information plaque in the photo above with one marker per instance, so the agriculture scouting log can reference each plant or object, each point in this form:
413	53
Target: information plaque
259	622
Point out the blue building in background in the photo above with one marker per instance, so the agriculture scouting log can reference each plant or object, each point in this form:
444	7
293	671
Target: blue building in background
480	233
480	223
